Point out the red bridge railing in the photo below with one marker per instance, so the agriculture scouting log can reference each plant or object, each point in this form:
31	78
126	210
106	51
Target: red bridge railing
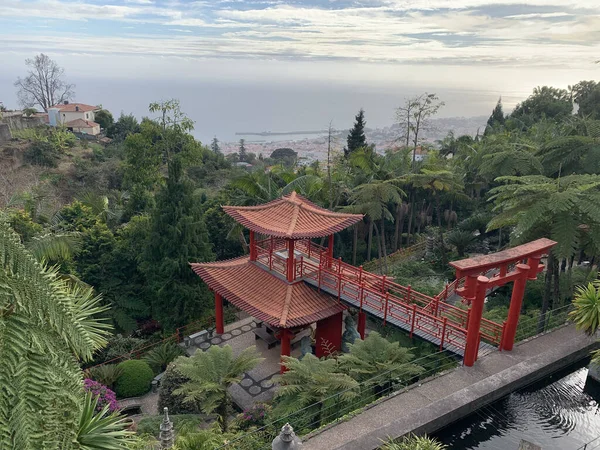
431	315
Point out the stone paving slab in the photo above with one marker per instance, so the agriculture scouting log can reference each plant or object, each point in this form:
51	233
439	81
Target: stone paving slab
443	400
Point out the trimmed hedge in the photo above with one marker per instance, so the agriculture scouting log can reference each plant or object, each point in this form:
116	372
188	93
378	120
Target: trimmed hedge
135	380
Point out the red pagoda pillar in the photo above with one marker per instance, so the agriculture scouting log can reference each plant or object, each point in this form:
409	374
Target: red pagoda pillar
475	314
329	335
291	267
252	246
362	324
285	336
330	251
516	301
219	324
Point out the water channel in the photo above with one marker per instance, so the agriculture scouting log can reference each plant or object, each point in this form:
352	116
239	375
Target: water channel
561	412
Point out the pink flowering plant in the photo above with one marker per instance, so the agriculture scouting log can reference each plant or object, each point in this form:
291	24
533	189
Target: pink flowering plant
105	395
253	417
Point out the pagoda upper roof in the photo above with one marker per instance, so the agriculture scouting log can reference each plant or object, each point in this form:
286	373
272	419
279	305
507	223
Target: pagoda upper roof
265	296
292	217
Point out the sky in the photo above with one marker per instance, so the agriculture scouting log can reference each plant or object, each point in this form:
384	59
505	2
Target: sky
288	65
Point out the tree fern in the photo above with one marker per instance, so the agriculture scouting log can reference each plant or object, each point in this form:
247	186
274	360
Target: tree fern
47	325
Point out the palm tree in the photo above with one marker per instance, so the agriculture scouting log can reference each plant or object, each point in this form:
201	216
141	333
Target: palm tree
413	442
373	199
461	239
587	307
378	362
210	374
563	209
47	327
437	181
312	381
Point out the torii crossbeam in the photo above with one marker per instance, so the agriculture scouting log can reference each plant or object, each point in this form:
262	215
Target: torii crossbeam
517	264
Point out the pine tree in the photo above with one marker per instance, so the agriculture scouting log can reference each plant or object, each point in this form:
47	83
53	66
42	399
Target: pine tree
178	236
214	146
497	117
356	137
242	153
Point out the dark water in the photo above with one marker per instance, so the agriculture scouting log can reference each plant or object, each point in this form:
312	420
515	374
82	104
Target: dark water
560	413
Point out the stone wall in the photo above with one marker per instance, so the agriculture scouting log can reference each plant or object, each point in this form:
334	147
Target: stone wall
5	134
18	122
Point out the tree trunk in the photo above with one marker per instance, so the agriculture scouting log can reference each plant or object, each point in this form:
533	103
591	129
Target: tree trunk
354	244
397	226
378	246
499	238
547	292
383	245
439	219
369	240
410	222
223	412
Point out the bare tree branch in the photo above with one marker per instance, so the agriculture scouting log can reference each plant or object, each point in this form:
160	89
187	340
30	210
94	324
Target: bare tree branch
44	84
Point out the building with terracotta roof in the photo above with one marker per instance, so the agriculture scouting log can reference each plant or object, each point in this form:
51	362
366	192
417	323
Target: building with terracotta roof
83	126
73	115
269	283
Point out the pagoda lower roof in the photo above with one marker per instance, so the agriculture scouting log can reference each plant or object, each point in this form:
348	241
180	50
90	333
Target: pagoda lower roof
265	296
292	217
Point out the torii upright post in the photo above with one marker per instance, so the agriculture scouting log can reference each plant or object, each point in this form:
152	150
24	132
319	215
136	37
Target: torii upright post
476	312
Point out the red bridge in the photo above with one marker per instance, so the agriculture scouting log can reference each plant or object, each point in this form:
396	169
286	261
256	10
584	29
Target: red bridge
290	257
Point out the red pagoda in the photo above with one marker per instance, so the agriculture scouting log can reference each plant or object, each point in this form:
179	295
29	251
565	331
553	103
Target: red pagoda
269	283
289	282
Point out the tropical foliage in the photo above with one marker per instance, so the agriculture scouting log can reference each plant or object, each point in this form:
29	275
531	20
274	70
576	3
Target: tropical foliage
586	314
47	326
310	382
210	374
413	443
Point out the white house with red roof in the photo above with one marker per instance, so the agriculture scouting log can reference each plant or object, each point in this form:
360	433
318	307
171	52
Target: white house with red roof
78	117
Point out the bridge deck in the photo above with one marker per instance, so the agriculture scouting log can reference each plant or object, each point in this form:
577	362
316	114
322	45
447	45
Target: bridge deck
484	347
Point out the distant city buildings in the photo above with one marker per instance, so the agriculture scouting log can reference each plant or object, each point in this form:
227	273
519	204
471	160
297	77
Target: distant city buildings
312	149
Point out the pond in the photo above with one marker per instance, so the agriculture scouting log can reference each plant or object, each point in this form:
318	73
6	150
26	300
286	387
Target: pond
561	412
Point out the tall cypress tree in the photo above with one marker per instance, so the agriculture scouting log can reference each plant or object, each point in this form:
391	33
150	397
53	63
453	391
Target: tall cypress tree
214	146
177	237
243	154
497	117
356	137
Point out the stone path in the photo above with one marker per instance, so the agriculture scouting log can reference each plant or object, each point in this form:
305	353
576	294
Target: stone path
148	403
257	385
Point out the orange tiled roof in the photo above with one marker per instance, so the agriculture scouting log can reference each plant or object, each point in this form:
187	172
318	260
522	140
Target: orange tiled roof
292	217
75	107
266	297
80	123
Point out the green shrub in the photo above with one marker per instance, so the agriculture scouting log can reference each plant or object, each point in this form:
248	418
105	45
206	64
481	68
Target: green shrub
184	422
118	345
170	381
42	153
107	374
135	380
160	356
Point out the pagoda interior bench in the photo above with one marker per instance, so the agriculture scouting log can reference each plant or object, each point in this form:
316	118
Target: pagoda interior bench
262	333
306	332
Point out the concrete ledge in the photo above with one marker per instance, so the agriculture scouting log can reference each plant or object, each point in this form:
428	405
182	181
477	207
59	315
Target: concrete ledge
445	399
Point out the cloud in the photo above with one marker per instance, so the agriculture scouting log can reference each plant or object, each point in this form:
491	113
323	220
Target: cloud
472	32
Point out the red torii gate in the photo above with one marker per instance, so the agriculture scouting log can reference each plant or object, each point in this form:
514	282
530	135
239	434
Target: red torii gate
517	264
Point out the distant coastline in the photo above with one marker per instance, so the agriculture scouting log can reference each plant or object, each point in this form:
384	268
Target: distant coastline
277	133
